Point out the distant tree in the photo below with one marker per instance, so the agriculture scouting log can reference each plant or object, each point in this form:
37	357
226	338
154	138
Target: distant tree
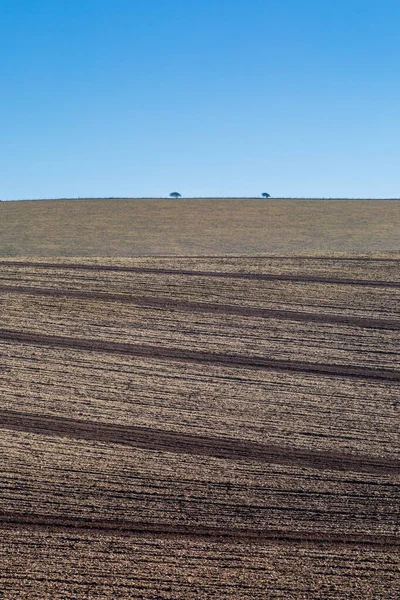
265	195
175	195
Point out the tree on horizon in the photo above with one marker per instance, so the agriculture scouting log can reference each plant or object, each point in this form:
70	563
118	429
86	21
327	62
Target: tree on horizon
175	195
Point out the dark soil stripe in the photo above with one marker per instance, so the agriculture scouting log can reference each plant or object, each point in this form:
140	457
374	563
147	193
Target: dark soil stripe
226	309
230	275
199	356
176	442
234	535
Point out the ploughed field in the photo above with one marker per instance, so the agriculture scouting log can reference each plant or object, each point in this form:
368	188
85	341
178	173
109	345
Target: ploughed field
199	428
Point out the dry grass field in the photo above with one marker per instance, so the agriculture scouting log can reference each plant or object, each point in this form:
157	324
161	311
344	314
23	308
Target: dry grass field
200	428
202	227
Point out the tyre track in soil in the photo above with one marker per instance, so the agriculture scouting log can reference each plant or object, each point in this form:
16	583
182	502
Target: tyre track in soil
220	274
225	309
199	356
77	525
182	443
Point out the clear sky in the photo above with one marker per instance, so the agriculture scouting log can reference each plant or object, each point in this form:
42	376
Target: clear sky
204	97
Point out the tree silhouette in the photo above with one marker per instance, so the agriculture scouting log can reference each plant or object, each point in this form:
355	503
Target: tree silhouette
175	195
265	195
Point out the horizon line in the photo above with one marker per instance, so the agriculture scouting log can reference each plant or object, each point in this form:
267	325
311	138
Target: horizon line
73	198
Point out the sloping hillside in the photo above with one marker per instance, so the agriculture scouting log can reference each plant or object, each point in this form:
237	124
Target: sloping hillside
202	227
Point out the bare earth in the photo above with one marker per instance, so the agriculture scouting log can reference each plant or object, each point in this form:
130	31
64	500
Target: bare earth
200	428
201	227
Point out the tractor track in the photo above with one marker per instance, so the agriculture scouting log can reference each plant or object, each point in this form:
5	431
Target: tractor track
183	443
78	525
214	274
199	356
205	307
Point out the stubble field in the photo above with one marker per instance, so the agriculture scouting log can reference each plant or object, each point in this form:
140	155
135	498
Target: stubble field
198	227
199	428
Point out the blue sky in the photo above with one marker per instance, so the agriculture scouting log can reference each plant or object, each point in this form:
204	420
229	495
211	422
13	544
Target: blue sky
206	97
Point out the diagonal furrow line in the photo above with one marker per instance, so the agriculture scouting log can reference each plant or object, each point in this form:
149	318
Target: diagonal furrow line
190	306
129	528
199	445
199	356
220	274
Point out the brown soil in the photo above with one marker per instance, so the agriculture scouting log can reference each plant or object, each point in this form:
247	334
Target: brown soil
198	227
196	429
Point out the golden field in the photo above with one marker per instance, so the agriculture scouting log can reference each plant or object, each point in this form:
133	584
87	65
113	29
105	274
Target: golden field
189	428
190	227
